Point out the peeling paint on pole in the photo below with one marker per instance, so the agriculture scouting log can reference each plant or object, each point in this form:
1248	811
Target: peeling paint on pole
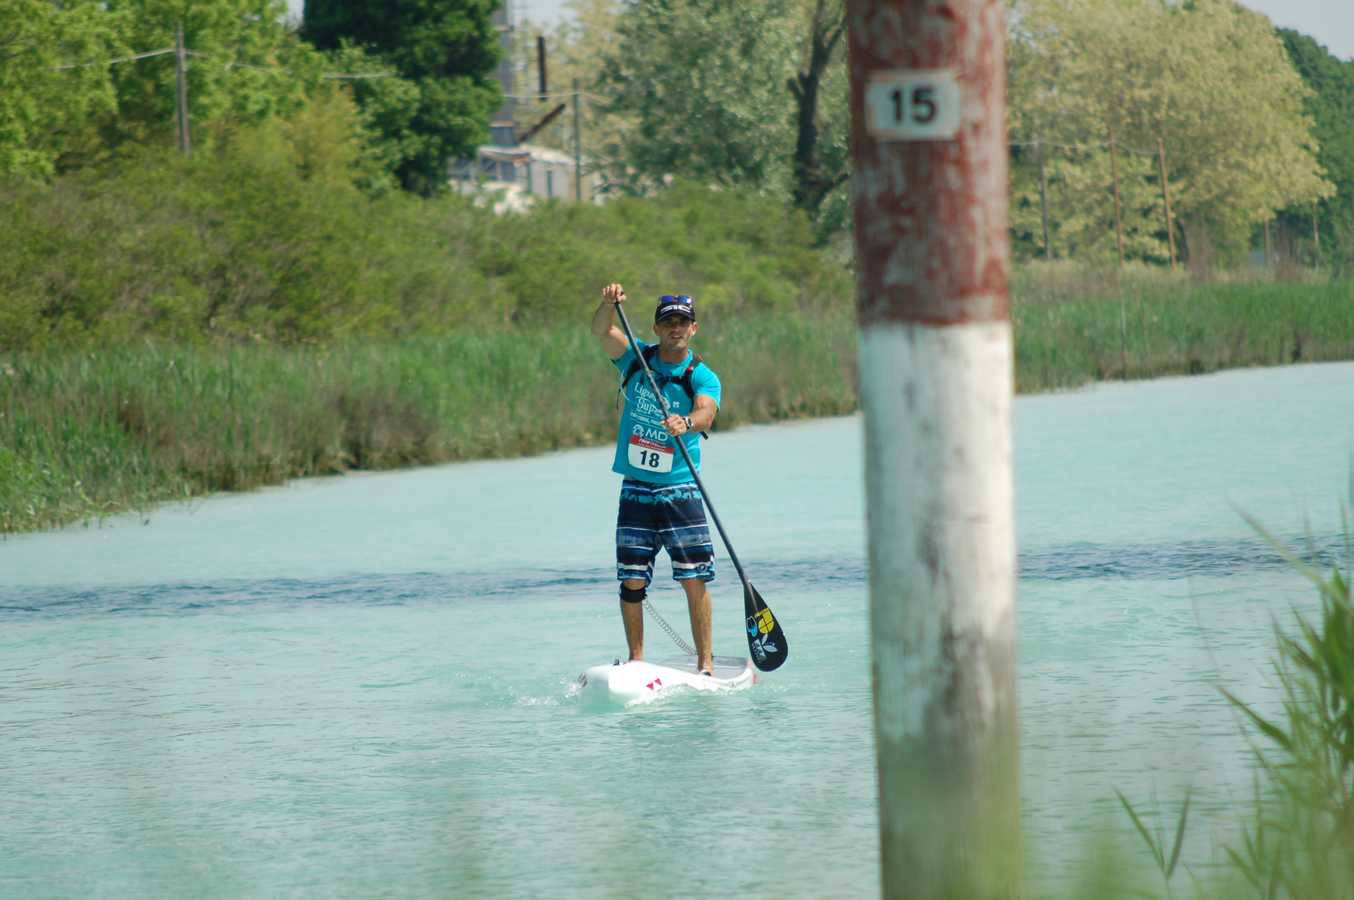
930	192
931	216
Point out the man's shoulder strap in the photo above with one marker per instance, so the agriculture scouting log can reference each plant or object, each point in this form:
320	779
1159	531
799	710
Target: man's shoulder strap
685	379
635	366
649	353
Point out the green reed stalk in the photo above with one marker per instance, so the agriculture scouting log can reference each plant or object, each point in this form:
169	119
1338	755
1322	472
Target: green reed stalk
87	434
1301	841
93	432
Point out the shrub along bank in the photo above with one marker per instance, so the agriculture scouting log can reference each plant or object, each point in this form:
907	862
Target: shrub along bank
173	326
235	246
95	432
90	432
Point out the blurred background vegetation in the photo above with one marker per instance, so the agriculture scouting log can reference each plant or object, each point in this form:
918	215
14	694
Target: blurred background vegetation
295	290
1117	109
1249	124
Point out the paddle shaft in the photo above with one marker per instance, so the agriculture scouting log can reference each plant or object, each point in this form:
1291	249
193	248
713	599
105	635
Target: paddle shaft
681	445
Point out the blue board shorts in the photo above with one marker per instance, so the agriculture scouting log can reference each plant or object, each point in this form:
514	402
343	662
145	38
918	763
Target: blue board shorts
671	516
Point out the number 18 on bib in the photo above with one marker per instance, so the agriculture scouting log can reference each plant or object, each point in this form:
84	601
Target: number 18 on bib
650	455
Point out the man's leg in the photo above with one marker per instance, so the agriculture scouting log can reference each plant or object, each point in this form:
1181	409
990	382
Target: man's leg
686	536
632	615
637	543
698	605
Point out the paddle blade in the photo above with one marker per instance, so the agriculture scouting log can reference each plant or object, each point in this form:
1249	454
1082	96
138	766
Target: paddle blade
766	641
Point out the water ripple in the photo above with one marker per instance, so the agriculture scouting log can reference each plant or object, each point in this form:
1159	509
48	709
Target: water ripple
1065	562
1185	559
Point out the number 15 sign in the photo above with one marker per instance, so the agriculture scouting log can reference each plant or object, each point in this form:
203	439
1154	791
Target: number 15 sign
916	105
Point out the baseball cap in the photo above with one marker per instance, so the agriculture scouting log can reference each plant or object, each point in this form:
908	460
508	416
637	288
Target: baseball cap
675	305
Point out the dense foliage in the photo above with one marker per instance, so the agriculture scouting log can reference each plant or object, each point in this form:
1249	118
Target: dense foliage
1331	106
244	66
757	98
747	95
85	431
447	51
84	80
1105	97
267	238
1201	94
49	97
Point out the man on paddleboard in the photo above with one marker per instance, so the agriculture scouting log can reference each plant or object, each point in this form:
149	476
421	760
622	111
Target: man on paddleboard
660	503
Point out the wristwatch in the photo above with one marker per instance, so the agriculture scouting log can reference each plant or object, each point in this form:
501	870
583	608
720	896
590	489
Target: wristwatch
689	426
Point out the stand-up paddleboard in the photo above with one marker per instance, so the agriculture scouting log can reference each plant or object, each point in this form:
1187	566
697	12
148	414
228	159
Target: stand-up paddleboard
642	681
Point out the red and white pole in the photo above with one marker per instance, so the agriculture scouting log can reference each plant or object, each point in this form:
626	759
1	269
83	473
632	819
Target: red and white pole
930	188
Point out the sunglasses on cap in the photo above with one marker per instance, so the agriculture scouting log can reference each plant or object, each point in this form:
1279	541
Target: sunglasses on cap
673	305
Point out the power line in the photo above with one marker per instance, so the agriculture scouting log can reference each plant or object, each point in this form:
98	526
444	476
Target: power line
120	59
1085	145
210	56
556	94
240	65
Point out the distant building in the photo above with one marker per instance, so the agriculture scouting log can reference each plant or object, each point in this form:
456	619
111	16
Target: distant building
514	175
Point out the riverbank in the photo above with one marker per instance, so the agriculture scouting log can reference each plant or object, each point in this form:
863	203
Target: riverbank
91	433
1154	327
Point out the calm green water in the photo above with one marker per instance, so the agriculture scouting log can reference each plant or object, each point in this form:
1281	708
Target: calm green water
361	685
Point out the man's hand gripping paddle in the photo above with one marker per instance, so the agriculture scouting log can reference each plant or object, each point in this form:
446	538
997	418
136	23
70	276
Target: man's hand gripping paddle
766	641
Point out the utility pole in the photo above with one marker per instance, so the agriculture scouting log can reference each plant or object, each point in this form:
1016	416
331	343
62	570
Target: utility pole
540	65
181	75
578	151
932	261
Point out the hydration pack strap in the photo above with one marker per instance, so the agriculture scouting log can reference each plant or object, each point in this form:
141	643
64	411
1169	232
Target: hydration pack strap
684	379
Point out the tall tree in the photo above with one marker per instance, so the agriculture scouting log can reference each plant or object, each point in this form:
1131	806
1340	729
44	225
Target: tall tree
54	71
820	165
1331	106
734	94
705	82
447	48
1207	81
244	65
1063	169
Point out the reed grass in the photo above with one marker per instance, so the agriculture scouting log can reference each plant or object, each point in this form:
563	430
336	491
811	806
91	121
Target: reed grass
1149	329
91	432
1300	841
1297	839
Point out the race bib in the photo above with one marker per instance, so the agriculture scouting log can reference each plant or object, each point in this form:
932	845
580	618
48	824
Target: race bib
650	455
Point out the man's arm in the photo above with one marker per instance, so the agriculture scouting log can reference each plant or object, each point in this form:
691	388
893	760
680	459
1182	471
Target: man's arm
604	322
703	413
702	417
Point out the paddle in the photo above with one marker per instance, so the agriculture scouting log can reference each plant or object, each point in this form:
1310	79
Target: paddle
766	641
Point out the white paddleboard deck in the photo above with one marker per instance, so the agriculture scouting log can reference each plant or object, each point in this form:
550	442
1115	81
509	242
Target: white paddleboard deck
642	681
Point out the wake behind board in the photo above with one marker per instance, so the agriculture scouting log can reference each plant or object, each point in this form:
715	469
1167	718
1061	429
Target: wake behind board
642	681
